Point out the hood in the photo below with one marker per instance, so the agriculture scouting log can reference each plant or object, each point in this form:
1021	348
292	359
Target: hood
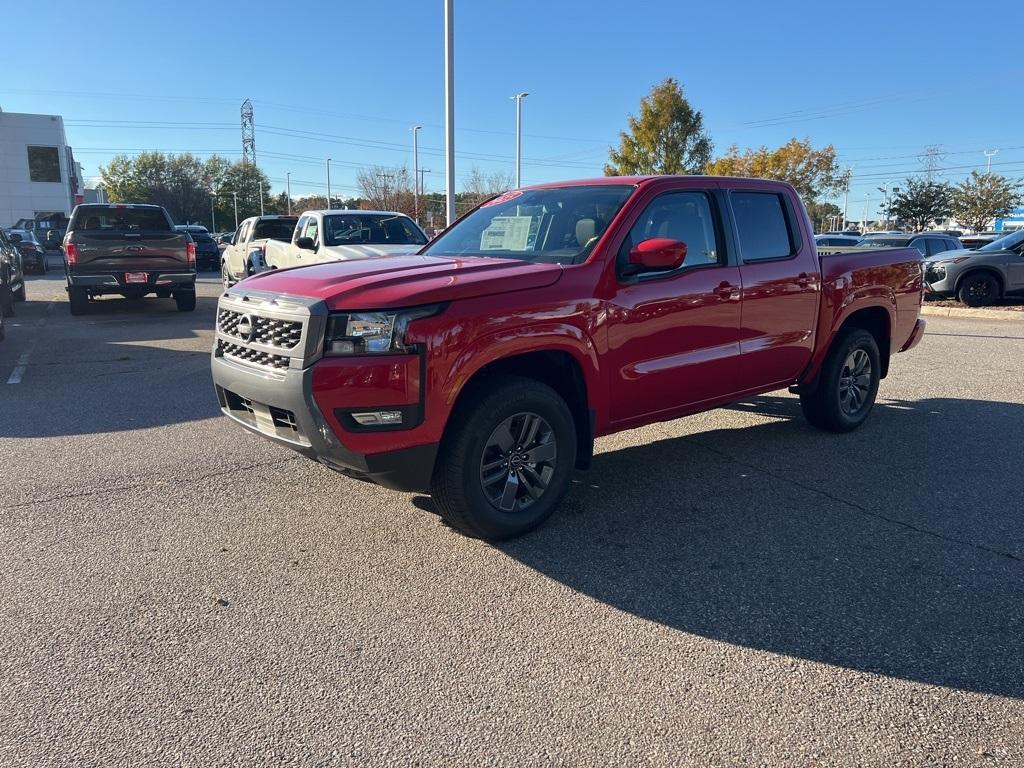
344	252
959	254
386	282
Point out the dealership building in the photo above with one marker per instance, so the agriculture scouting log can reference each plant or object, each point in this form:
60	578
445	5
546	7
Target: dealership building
38	172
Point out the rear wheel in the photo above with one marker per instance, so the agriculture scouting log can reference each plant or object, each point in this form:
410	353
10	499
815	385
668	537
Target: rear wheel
506	460
186	300
78	301
847	384
978	290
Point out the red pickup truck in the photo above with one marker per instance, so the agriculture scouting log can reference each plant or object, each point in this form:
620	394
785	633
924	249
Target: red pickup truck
482	368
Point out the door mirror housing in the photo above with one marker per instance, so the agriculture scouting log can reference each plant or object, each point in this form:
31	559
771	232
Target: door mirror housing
656	255
305	243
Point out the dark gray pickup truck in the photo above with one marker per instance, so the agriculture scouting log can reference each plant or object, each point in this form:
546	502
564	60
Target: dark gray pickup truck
129	250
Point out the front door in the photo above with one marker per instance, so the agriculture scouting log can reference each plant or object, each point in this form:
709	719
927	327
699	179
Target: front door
673	336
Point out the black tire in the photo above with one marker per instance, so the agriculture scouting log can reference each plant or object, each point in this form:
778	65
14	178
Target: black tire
41	269
186	300
846	392
19	295
458	486
2	331
78	301
6	301
225	276
978	290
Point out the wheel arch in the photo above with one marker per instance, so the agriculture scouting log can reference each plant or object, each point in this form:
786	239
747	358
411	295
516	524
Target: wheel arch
972	271
876	321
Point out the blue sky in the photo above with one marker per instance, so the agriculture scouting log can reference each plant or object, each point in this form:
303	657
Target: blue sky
880	81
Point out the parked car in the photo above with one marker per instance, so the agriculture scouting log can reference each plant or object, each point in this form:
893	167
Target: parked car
928	243
244	255
845	232
32	251
130	250
836	241
344	235
979	239
223	240
12	275
482	368
982	276
48	228
207	252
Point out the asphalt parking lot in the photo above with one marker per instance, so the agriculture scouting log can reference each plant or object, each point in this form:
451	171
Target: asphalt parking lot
735	588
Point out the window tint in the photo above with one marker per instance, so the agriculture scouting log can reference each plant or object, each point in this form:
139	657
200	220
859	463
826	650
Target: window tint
104	219
370	229
274	229
682	216
921	243
762	227
43	164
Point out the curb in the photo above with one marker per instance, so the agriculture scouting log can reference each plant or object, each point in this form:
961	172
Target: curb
988	314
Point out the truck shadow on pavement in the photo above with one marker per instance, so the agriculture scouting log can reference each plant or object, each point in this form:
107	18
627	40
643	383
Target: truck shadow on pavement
896	550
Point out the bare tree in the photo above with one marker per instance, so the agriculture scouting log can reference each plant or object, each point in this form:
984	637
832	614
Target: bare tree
479	186
387	189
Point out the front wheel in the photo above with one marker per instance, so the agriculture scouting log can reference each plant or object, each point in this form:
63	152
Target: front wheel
847	384
978	290
507	459
225	276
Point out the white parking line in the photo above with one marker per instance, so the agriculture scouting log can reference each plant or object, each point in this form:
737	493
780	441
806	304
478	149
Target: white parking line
22	364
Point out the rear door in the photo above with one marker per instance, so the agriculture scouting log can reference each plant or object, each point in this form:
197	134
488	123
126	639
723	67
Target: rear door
781	278
122	238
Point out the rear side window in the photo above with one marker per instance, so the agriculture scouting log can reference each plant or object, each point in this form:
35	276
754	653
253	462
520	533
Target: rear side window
120	220
274	229
762	226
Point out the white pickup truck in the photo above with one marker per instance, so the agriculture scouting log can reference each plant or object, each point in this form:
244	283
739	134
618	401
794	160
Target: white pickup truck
243	255
344	235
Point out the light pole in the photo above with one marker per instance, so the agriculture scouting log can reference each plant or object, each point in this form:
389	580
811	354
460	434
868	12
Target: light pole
213	214
519	133
416	172
261	198
328	183
864	222
884	189
236	210
989	154
288	178
846	201
449	108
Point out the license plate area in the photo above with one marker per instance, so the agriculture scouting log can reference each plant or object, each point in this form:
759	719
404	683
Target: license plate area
136	277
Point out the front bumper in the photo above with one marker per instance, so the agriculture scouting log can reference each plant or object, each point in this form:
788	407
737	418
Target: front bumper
280	406
939	281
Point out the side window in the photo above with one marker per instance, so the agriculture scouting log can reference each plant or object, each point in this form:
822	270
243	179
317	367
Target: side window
762	226
921	243
243	232
299	226
311	229
683	216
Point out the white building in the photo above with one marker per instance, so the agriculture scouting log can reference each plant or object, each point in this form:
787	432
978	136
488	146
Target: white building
38	173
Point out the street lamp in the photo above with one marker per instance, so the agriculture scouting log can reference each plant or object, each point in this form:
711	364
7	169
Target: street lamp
519	133
288	178
449	108
328	183
236	210
416	172
261	198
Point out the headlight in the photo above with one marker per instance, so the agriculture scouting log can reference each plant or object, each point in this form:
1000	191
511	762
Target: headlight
372	333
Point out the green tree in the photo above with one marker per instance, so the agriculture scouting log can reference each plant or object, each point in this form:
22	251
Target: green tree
118	180
822	214
919	202
813	172
983	197
667	138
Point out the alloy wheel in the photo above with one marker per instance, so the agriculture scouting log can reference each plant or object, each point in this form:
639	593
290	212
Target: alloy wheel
854	382
518	462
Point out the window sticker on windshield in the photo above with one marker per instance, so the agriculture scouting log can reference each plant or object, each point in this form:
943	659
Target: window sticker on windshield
506	233
502	198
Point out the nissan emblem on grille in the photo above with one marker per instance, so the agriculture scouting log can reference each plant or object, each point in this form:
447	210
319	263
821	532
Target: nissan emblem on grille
245	328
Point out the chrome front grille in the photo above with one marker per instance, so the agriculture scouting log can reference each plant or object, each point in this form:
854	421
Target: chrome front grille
251	356
269	331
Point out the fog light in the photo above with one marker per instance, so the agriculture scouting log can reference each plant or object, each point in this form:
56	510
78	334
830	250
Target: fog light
378	418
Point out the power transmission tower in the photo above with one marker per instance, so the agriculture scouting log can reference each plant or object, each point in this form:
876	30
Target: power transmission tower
932	158
248	134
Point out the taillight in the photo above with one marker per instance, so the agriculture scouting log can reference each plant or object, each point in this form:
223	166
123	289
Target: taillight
71	253
190	248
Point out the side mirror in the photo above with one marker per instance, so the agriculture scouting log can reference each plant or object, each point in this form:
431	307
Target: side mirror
15	238
656	254
305	243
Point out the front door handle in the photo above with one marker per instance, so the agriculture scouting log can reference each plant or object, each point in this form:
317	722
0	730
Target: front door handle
803	280
726	290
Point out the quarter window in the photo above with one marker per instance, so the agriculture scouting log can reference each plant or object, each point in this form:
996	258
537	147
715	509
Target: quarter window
43	164
683	216
762	226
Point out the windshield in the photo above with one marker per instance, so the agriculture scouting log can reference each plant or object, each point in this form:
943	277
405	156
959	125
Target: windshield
874	242
1005	243
551	226
371	229
274	229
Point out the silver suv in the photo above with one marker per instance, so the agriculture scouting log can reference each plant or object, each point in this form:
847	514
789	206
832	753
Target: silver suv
979	278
